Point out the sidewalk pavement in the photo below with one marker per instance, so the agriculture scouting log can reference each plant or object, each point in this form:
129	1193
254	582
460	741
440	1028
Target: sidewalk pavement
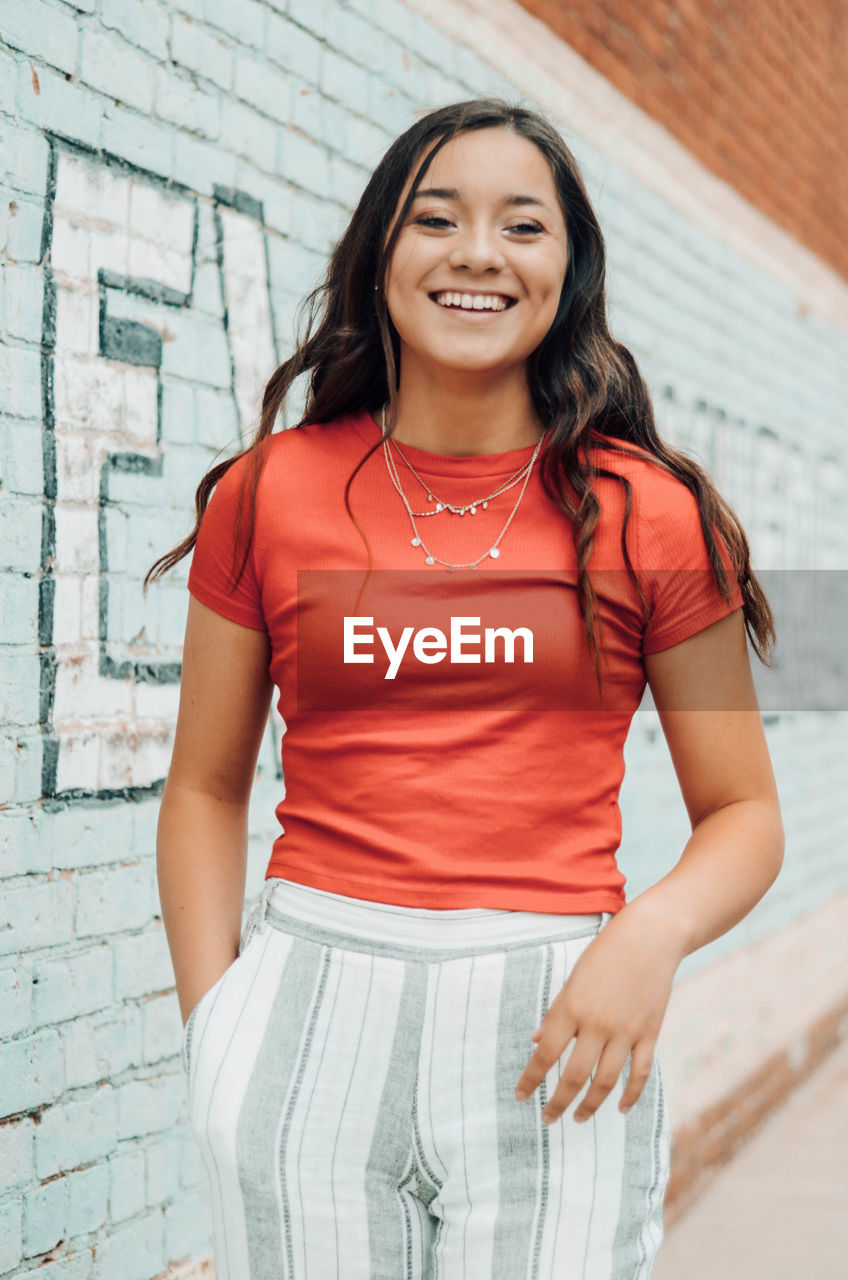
779	1209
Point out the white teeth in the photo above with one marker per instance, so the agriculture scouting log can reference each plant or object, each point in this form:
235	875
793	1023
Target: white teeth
473	302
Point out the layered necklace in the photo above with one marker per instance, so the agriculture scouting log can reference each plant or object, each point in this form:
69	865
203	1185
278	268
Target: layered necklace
441	505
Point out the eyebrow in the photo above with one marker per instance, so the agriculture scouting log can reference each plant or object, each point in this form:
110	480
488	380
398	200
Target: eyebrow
451	193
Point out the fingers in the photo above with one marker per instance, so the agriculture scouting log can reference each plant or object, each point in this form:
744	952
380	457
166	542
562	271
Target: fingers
604	1081
574	1076
579	1068
641	1063
541	1061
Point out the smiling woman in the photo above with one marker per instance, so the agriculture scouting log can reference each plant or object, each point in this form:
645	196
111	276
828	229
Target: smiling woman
443	956
463	237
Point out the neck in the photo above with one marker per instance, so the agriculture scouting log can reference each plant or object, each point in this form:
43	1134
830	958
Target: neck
465	423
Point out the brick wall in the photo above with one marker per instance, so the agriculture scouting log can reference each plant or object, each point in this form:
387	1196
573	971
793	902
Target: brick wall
172	176
754	90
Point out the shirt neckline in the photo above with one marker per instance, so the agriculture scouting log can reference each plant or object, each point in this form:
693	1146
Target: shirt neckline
441	464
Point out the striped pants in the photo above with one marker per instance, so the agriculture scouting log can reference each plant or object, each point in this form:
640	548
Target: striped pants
350	1084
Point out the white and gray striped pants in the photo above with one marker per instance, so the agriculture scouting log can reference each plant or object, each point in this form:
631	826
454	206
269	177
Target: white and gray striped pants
350	1082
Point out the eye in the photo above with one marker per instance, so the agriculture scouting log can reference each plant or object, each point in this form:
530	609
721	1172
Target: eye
430	219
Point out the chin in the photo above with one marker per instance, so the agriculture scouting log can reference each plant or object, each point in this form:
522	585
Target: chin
456	364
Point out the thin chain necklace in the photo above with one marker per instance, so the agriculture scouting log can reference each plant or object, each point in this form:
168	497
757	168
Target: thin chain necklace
449	506
417	541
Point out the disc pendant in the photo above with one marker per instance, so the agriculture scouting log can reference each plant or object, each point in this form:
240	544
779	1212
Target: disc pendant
494	553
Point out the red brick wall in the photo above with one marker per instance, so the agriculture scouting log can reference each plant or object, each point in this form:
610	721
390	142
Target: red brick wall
755	89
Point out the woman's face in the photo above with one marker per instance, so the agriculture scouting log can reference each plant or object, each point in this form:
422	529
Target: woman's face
472	235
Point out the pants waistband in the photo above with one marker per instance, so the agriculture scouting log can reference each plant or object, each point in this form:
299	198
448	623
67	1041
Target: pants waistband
415	926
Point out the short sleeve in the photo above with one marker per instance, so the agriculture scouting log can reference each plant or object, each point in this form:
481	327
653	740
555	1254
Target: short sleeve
216	558
681	587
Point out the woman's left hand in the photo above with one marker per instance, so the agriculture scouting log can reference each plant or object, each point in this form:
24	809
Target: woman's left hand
613	1002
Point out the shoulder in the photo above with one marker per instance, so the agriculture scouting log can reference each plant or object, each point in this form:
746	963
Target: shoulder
665	514
633	461
314	444
311	449
656	492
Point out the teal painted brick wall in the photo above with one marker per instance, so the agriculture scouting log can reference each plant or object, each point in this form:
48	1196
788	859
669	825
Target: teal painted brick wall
189	151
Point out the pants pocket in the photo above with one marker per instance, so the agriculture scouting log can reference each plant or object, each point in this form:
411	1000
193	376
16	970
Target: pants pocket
186	1040
253	927
190	1021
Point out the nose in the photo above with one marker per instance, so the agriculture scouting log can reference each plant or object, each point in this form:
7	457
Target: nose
478	249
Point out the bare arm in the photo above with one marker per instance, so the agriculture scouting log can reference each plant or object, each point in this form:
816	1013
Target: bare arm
201	840
707	705
616	995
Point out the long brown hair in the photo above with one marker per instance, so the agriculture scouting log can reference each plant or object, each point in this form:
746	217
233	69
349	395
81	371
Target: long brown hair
581	379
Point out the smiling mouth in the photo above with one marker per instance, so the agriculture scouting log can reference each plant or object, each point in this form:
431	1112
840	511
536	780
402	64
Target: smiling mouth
472	304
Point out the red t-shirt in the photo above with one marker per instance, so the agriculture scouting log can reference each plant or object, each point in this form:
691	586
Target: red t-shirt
473	767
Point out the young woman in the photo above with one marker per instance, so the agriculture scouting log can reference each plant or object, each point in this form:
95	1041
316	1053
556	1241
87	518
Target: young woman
386	1064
